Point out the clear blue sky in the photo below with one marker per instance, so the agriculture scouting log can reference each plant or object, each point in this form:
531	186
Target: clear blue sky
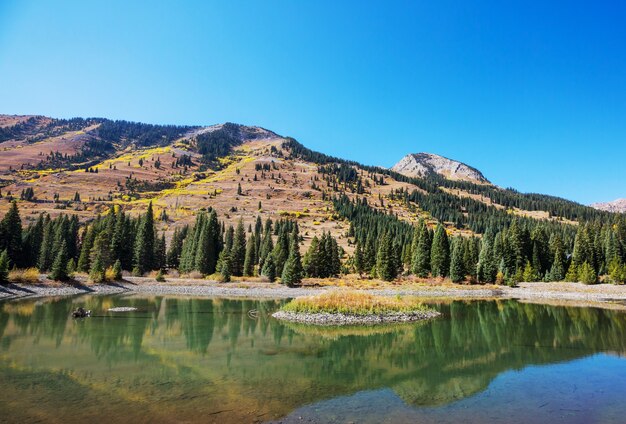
533	93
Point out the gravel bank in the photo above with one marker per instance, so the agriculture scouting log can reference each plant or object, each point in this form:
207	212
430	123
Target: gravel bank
324	318
594	295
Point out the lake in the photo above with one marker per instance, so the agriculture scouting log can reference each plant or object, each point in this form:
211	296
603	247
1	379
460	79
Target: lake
179	359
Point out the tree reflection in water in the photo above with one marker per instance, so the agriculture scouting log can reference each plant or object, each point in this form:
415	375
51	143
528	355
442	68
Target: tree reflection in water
196	355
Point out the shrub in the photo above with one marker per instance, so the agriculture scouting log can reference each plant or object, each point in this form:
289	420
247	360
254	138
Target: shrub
24	276
160	277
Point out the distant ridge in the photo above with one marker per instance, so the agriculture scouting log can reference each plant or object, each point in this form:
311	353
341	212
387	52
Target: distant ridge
618	205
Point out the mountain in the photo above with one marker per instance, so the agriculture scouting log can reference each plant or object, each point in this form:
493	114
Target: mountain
425	164
618	206
83	166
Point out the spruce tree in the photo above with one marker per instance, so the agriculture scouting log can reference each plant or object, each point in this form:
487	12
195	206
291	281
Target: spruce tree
311	259
358	259
4	268
457	266
96	273
11	230
59	267
292	271
238	252
144	244
420	263
269	268
45	255
440	253
117	270
587	274
248	265
84	262
226	266
385	268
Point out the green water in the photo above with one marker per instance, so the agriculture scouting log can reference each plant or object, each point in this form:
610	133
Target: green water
182	359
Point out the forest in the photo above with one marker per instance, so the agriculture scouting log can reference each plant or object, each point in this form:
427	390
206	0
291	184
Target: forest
385	248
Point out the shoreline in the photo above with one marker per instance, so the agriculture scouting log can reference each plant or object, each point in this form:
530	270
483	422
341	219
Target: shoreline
577	294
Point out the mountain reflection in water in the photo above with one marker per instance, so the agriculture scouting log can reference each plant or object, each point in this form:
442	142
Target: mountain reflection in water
203	360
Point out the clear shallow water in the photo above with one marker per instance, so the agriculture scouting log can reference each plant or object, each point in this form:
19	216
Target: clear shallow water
209	360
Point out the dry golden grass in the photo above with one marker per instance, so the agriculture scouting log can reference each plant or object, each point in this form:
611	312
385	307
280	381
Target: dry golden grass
24	276
354	303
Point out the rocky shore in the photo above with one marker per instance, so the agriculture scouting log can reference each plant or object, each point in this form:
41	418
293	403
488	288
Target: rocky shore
599	295
324	318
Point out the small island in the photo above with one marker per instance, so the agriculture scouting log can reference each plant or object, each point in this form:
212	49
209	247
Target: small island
349	307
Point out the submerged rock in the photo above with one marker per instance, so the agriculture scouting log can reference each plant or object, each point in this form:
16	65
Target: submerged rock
81	313
122	309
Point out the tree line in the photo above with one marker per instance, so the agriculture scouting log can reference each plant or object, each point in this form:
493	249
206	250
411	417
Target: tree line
526	250
115	242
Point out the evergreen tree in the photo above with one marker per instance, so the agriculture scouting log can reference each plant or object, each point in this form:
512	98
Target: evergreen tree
84	260
292	271
487	268
226	266
457	266
440	253
281	251
267	246
59	267
530	273
358	259
420	263
117	270
572	274
587	274
45	255
238	252
144	244
4	268
385	268
248	265
11	234
160	253
269	268
311	261
96	273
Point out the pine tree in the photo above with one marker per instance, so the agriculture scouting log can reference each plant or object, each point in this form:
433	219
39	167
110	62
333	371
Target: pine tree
530	273
281	251
385	268
358	259
11	231
160	253
311	261
45	255
440	253
292	271
587	274
226	266
96	273
248	265
420	262
144	244
238	252
4	268
487	269
572	273
117	270
457	266
59	267
269	268
84	261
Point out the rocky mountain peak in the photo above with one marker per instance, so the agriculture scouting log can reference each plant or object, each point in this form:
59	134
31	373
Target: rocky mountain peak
424	164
